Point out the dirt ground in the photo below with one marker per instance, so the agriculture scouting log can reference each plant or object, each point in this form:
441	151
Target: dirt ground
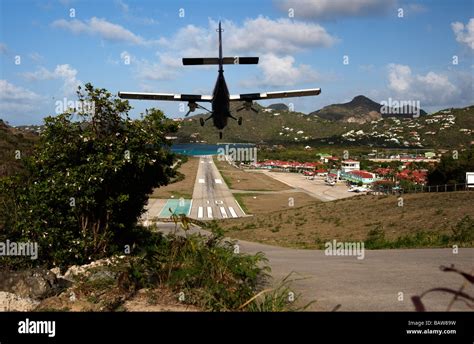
252	181
183	188
351	219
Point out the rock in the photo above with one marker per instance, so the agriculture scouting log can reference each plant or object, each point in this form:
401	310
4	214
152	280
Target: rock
33	283
10	302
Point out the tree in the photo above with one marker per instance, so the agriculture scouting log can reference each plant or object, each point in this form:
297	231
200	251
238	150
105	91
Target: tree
89	179
450	170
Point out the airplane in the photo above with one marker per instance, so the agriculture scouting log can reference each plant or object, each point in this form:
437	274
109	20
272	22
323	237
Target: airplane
220	98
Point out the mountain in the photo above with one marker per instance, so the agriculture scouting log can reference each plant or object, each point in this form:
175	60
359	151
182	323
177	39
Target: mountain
362	110
278	107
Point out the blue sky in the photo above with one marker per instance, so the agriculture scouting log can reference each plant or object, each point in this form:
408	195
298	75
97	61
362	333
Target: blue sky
395	49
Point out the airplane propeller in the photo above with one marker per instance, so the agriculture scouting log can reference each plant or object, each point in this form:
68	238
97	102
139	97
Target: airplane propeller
247	106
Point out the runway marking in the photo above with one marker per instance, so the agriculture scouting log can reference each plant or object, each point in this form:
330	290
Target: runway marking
201	181
209	212
202	161
218	181
207	201
232	212
223	213
200	213
219	202
210	162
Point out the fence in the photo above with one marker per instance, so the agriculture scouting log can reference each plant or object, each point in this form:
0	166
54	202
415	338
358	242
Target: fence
425	188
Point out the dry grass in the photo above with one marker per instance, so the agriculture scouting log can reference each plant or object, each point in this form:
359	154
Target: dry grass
183	188
256	203
351	219
252	181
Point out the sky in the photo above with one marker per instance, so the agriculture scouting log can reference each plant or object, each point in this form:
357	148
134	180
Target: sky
403	50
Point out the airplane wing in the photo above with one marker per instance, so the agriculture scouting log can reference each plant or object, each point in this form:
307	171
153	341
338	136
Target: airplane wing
166	96
278	94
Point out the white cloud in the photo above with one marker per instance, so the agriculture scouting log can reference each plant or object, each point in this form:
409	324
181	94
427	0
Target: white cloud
123	6
399	77
164	69
102	28
432	89
16	99
63	72
259	35
331	9
281	71
464	33
35	56
274	40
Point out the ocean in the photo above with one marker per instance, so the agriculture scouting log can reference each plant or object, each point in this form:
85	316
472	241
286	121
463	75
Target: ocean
205	149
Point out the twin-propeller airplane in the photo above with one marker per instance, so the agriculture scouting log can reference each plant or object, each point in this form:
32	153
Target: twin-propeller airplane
220	98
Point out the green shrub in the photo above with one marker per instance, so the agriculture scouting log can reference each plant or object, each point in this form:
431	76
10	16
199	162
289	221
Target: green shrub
87	182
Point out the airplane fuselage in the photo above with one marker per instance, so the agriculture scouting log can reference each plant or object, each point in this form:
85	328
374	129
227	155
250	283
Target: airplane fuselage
220	102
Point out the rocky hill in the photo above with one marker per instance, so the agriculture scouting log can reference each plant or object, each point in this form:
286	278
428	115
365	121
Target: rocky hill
362	110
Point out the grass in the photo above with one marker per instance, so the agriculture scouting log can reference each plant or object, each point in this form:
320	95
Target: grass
251	181
260	203
240	199
184	185
352	219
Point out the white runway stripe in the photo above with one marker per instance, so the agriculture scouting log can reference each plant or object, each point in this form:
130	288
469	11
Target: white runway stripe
218	181
200	213
201	181
232	212
209	212
223	213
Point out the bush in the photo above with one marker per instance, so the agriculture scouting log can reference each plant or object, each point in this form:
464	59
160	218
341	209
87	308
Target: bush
207	270
87	181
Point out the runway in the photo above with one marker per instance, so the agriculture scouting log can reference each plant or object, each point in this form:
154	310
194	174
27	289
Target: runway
212	198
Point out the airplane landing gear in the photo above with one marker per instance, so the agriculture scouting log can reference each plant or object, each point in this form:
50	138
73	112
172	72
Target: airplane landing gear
239	121
220	135
201	120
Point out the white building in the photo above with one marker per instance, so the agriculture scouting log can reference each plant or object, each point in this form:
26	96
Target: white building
350	165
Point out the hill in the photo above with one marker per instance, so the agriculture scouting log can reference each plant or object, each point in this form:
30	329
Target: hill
424	221
13	141
361	110
449	128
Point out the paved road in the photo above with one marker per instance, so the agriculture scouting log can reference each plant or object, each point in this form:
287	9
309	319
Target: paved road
371	284
212	198
316	188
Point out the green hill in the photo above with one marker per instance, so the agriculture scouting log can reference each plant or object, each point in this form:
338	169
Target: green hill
448	128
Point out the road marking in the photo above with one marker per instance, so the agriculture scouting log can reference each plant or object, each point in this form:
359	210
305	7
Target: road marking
201	181
200	213
218	181
209	212
232	212
223	213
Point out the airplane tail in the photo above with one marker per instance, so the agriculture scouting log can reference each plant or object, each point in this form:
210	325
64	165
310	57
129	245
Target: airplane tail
219	60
